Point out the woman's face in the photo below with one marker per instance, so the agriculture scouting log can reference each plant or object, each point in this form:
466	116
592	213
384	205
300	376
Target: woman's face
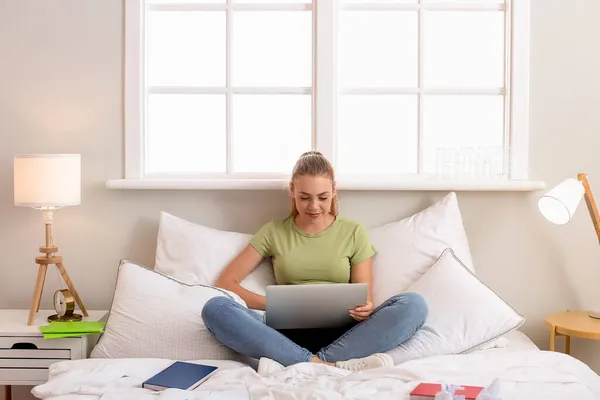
313	195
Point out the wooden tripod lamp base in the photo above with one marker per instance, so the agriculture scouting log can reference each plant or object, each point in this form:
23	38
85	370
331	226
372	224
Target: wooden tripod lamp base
50	258
43	263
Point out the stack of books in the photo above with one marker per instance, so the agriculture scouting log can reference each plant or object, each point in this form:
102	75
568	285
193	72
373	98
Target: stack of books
57	330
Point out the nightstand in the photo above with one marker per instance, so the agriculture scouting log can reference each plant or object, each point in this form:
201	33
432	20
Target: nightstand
24	353
572	323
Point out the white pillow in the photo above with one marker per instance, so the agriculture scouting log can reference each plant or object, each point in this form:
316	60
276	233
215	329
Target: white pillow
407	248
196	254
155	316
464	314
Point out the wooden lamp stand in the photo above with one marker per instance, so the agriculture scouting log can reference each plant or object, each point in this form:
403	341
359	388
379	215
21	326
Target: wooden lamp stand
593	210
591	204
49	258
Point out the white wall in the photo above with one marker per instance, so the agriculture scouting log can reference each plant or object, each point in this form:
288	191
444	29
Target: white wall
61	91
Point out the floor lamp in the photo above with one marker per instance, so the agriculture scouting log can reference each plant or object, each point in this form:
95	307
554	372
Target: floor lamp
560	203
48	182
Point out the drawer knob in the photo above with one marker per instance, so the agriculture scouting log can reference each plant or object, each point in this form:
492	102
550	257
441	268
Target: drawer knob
24	346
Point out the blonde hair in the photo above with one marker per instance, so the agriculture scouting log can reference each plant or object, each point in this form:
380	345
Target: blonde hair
313	163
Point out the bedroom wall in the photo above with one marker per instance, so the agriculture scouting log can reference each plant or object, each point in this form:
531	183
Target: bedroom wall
61	91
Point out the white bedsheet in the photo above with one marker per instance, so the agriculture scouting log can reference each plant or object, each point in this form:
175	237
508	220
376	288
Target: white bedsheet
517	340
524	375
512	341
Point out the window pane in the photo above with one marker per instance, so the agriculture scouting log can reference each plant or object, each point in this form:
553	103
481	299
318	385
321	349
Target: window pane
272	48
186	133
378	48
273	1
463	135
377	134
186	1
379	1
186	48
270	132
468	1
464	48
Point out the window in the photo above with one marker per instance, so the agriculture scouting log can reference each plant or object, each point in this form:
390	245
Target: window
388	90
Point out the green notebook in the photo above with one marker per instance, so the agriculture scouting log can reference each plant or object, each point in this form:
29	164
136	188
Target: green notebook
66	335
57	330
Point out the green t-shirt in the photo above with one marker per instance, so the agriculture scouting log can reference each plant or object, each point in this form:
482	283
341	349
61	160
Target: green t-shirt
302	258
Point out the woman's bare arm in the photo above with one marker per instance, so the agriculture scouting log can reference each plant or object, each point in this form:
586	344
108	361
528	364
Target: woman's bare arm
237	271
362	273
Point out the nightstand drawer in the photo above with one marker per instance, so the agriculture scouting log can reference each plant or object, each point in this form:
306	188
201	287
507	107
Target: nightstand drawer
63	354
23	347
24	375
33	343
28	362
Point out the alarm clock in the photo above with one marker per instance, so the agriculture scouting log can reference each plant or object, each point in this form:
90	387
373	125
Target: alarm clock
64	305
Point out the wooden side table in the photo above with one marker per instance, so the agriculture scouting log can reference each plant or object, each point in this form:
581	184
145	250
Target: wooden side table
25	355
572	324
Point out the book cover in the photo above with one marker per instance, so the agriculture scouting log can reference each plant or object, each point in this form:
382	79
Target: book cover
76	327
56	330
66	335
427	391
180	375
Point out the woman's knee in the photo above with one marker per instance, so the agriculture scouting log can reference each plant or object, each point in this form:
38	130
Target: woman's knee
414	304
215	308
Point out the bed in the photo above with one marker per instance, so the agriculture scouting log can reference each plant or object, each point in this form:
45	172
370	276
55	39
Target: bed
471	336
523	370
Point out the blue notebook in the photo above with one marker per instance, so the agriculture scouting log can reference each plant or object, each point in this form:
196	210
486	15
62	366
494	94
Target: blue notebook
180	375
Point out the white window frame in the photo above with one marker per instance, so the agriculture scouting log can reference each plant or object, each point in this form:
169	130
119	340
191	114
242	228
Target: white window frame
324	98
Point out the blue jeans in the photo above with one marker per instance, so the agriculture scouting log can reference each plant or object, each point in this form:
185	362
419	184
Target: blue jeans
244	331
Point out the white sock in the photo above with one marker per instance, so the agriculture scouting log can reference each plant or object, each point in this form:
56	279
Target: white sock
360	364
266	366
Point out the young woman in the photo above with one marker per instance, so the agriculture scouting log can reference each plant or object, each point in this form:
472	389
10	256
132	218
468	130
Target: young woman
312	245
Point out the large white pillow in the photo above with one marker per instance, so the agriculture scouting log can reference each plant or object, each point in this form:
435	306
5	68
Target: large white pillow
464	313
155	316
197	254
406	249
194	253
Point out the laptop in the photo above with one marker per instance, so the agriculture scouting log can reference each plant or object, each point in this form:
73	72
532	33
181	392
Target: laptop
313	305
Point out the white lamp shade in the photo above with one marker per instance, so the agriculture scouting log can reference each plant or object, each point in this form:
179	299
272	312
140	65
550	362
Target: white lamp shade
560	203
47	180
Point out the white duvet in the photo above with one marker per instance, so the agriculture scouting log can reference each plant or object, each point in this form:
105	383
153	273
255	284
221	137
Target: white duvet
523	375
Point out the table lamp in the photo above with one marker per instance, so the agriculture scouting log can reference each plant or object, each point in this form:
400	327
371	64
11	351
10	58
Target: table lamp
560	203
48	182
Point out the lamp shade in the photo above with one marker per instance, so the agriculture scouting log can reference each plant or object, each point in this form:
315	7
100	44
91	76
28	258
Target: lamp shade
560	203
47	180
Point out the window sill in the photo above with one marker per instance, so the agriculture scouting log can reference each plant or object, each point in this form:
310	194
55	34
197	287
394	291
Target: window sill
362	184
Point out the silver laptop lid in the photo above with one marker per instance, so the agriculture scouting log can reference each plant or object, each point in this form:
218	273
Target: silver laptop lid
313	305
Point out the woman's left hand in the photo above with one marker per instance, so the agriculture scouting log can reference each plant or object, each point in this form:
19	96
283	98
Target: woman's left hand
363	312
